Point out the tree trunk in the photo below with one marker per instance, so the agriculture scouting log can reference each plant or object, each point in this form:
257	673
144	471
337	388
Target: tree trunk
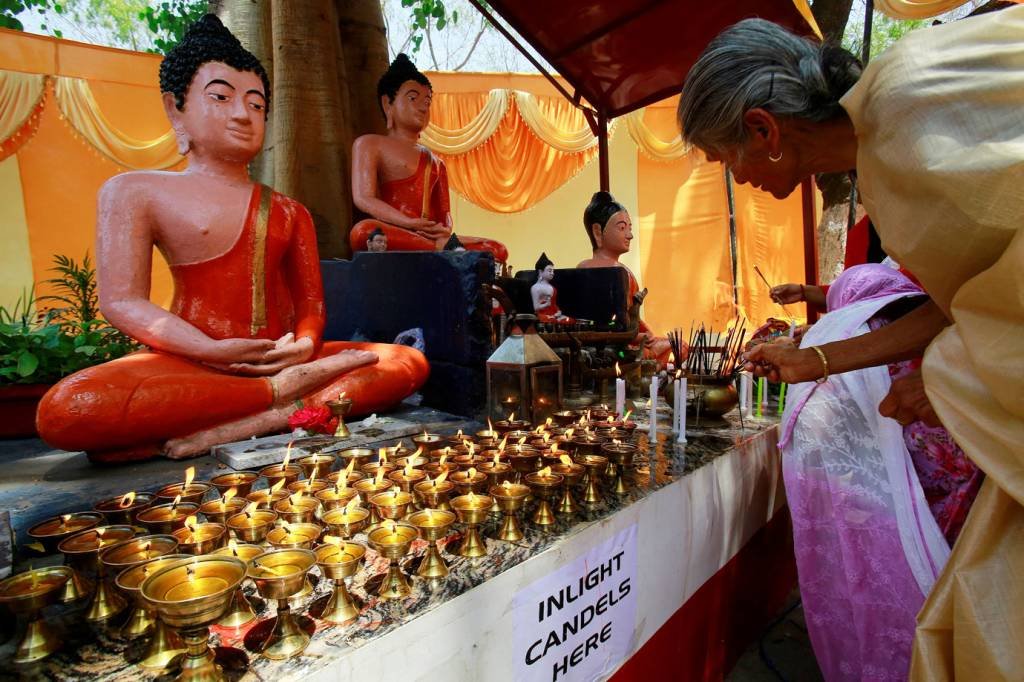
832	17
322	56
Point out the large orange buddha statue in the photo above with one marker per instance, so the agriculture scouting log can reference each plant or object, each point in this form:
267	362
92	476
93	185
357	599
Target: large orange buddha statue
397	181
242	340
610	231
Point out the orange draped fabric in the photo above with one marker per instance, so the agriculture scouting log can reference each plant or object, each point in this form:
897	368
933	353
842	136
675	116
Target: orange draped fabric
513	169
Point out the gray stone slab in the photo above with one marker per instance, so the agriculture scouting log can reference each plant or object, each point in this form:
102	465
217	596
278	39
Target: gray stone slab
370	432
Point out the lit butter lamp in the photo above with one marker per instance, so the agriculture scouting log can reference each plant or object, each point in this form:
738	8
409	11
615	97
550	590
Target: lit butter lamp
124	555
186	492
433	493
433	524
383	462
266	497
572	473
164	643
392	541
393	504
240	613
348	474
51	532
219	511
191	595
368	487
620	455
496	472
82	553
296	536
346	521
472	510
408	476
544	485
460	438
356	457
123	510
524	460
338	561
26	594
285	471
279	575
298	508
510	498
317	465
595	465
442	464
200	538
429	441
340	408
164	519
253	524
337	496
241	481
469	481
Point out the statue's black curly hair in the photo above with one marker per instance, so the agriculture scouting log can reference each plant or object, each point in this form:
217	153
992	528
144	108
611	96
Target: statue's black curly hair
400	71
207	40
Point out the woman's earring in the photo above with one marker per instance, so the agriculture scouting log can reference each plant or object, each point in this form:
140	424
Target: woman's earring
775	158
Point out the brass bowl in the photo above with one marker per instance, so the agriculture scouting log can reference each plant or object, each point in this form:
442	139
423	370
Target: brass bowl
51	532
302	510
393	540
323	463
433	524
241	481
217	511
164	519
82	549
33	590
352	477
346	524
254	529
281	573
332	498
309	486
194	492
392	504
193	593
114	513
136	551
712	396
464	483
265	499
434	496
472	512
429	441
295	536
510	498
204	539
275	472
346	566
360	455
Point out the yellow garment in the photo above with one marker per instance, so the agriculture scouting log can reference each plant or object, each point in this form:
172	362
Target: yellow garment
83	114
941	167
19	95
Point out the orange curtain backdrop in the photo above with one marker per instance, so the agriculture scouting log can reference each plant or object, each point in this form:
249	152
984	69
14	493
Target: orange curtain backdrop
684	230
513	169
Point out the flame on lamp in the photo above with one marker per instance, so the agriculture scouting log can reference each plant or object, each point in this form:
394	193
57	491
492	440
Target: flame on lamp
444	458
506	485
276	487
352	504
287	456
471	474
250	508
190	523
502	444
522	441
545	472
382	455
441	477
472	498
512	417
380	476
350	467
233	546
295	498
228	495
408	467
569	433
177	501
458	434
190	473
566	460
497	458
333	540
127	500
472	449
618	371
490	426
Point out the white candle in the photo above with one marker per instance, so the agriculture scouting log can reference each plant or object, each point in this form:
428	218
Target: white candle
652	433
746	393
681	391
675	405
620	396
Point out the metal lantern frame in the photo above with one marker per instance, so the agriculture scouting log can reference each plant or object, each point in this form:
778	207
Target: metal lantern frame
524	355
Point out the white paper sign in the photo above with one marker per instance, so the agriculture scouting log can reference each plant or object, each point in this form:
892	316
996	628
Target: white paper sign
577	622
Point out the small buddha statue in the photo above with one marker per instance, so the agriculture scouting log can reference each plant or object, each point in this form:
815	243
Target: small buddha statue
242	342
454	244
610	231
544	295
398	182
377	242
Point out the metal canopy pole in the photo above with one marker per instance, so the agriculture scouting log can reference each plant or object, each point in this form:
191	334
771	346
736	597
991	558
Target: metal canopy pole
602	151
810	240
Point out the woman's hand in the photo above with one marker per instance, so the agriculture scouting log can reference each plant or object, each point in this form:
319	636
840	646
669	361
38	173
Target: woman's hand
907	402
787	293
287	352
782	360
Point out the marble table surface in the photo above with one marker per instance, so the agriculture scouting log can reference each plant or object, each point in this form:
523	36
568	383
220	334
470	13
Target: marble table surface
94	653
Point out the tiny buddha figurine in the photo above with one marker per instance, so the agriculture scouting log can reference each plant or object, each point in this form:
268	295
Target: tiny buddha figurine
610	231
454	243
544	295
377	242
397	181
242	341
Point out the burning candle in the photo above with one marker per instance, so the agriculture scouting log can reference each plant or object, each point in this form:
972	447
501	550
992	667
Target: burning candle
652	431
620	391
469	480
681	389
746	393
204	579
408	476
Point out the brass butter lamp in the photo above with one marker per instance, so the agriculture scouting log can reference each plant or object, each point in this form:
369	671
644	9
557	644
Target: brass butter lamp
280	574
338	561
26	594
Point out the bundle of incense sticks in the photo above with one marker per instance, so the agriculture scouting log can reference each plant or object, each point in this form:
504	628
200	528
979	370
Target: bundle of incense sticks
707	359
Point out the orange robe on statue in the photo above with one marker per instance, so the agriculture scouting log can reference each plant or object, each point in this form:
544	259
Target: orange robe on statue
424	194
264	286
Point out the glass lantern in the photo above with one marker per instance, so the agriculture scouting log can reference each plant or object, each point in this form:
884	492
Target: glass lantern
524	376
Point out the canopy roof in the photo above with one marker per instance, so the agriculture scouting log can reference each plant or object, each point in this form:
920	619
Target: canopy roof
621	55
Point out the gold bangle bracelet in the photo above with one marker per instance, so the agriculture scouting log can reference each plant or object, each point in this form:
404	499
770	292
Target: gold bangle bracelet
824	364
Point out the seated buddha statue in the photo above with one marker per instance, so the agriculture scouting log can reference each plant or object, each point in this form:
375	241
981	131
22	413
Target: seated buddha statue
397	181
544	295
610	232
242	341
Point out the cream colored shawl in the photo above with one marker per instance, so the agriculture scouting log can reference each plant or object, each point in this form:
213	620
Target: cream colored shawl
940	129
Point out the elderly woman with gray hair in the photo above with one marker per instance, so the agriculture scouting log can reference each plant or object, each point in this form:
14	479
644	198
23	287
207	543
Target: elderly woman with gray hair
934	130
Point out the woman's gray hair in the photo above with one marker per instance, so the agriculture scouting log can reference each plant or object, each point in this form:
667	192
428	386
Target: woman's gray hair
756	63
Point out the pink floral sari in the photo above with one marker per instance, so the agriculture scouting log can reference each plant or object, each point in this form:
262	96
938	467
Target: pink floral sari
868	547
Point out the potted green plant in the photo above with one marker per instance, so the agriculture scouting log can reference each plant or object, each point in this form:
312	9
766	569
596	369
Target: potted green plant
43	340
